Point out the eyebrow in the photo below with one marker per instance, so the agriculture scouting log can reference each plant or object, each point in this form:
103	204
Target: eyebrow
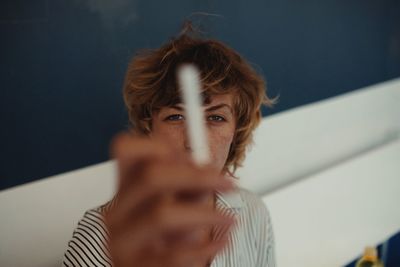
212	108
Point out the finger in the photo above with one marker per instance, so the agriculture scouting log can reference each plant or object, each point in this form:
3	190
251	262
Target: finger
138	197
193	255
185	216
131	153
124	144
170	218
183	176
138	242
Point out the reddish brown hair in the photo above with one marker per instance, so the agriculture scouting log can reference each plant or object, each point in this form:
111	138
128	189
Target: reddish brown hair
150	84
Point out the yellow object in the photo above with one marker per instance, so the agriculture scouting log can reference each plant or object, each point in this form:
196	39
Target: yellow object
369	259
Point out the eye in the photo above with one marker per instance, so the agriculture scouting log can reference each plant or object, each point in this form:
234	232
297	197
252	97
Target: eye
216	118
175	117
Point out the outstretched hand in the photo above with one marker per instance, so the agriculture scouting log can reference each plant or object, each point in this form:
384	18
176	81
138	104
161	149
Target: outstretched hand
164	209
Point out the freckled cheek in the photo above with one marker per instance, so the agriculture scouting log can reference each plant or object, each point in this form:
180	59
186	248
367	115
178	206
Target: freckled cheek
173	135
219	146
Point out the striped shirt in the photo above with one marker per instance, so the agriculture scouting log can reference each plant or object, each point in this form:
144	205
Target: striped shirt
251	243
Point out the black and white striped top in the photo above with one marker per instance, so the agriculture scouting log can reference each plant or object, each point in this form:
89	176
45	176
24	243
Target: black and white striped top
251	242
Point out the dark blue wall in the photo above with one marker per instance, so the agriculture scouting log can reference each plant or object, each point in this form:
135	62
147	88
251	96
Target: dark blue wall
63	62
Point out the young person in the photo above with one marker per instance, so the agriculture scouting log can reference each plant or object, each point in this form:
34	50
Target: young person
167	211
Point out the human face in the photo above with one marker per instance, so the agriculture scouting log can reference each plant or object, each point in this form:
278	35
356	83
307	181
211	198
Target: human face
169	123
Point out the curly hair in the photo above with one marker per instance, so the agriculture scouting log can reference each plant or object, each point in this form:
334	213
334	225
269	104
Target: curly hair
150	83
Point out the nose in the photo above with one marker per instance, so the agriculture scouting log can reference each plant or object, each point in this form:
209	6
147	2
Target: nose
186	144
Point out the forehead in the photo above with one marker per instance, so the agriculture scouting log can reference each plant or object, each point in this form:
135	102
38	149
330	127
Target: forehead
213	100
218	99
210	100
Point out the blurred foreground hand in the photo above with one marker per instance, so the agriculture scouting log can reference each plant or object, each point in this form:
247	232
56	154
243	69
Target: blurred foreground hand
164	210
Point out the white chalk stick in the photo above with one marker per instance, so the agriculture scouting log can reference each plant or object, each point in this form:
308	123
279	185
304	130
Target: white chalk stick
189	82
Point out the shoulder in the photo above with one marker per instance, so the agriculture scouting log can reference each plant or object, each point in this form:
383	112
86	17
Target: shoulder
253	203
257	213
93	222
88	245
244	202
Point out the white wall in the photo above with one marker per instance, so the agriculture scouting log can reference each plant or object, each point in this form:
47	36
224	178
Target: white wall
303	141
37	219
306	145
327	219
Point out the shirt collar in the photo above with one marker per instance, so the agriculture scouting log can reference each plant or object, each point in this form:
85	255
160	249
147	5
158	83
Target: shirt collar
231	200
